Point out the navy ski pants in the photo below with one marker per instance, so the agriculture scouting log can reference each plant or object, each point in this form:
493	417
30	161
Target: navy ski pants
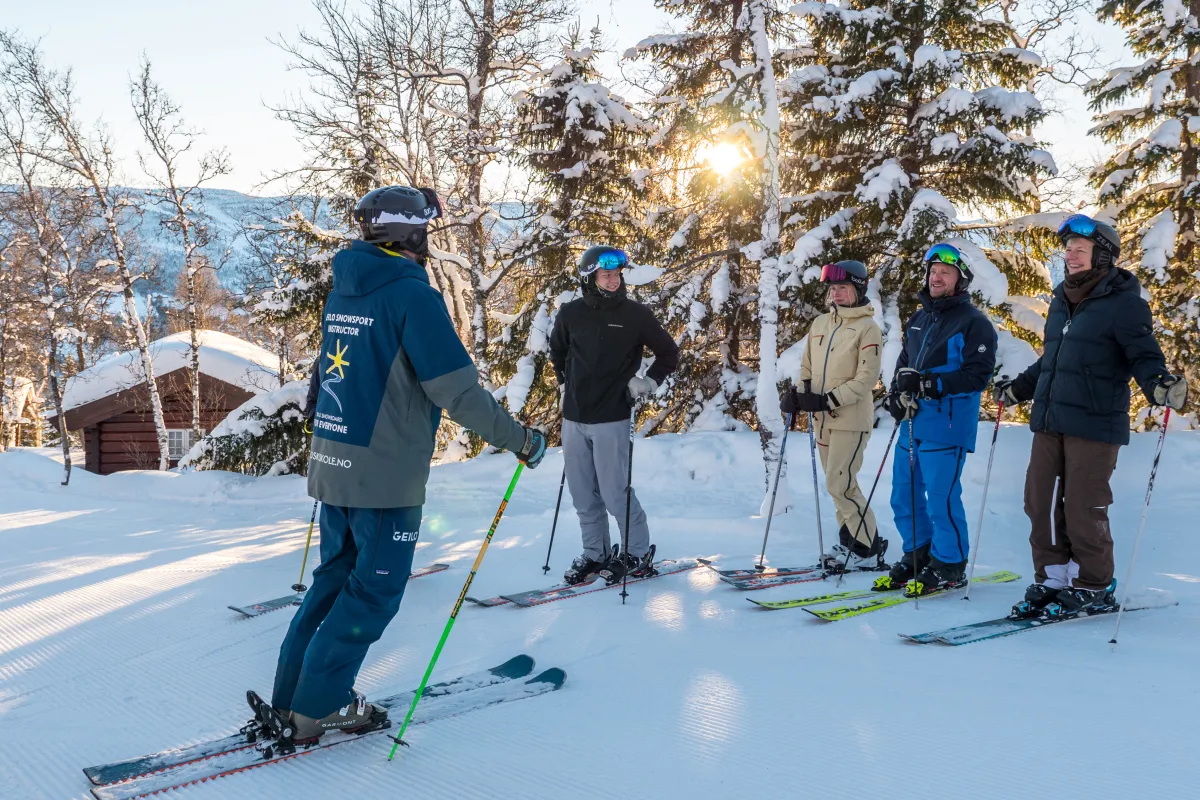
940	516
366	557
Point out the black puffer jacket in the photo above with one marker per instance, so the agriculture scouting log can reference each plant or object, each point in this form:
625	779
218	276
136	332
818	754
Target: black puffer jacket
1080	385
596	347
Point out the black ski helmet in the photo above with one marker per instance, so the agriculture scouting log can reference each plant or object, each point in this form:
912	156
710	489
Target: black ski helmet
849	271
589	263
946	253
397	216
1104	236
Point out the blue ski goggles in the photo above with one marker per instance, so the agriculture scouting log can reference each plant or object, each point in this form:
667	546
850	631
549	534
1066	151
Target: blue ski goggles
613	259
1078	225
946	254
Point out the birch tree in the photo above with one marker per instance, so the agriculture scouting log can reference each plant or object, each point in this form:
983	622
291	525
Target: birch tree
89	158
170	143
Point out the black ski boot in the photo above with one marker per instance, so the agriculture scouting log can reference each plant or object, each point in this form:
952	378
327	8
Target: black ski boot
937	576
903	571
1073	602
585	568
1037	597
635	567
851	555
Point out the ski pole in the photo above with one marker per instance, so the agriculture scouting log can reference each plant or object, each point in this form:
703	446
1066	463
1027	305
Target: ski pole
987	479
771	508
554	525
1141	525
862	520
299	586
628	495
912	482
437	651
812	450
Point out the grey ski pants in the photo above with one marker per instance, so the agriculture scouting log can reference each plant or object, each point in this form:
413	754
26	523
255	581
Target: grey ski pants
597	459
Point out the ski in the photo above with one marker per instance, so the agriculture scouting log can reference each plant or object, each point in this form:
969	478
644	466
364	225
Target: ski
251	757
258	609
1004	626
768	572
753	583
540	596
894	599
103	774
817	599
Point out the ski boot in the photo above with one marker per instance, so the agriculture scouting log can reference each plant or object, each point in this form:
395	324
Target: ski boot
1037	597
903	571
1074	602
585	569
850	555
937	576
625	564
358	716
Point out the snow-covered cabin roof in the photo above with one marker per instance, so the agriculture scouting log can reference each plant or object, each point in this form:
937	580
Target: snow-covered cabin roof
20	393
224	357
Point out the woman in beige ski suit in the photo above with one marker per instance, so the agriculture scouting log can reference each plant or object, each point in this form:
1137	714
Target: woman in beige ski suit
838	373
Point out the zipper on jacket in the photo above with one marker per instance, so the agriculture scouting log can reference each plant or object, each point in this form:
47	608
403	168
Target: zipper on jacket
1066	329
921	353
825	368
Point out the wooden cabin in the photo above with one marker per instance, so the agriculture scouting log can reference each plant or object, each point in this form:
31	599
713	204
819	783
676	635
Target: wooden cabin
112	408
21	408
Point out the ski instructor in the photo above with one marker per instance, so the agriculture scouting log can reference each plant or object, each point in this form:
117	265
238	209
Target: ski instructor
390	362
841	362
596	349
948	358
1099	334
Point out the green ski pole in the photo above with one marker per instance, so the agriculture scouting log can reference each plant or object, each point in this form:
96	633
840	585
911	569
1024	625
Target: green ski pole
437	651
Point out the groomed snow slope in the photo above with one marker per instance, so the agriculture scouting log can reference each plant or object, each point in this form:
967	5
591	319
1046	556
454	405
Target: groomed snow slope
115	641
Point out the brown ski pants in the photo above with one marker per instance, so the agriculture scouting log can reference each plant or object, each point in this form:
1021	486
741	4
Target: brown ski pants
1067	495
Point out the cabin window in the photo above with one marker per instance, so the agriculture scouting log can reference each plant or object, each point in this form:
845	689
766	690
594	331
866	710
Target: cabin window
179	442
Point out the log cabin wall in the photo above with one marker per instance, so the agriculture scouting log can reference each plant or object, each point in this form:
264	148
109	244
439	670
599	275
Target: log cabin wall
118	433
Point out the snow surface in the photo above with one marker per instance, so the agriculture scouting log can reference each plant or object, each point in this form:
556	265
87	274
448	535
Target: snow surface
115	640
222	356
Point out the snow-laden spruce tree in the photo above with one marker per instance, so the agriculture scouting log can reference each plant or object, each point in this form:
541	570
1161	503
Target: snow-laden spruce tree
905	118
1152	182
716	103
582	146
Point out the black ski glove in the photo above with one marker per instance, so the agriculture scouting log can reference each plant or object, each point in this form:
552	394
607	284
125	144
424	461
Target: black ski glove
789	400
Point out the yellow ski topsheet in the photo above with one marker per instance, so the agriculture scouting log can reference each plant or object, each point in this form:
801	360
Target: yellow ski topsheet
889	600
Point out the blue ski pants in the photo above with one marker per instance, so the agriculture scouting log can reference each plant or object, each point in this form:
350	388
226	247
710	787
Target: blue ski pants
366	557
940	518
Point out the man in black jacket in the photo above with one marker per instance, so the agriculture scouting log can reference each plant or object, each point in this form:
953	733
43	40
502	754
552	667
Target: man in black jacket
596	349
1099	334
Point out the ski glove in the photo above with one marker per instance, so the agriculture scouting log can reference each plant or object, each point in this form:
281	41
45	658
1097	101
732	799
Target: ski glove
812	402
534	449
1170	390
1003	392
918	384
901	406
638	387
789	400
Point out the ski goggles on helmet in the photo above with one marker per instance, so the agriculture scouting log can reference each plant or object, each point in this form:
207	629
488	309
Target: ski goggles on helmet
1078	225
610	260
946	254
832	273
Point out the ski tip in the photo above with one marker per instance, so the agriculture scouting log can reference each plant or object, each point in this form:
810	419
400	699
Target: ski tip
553	676
515	667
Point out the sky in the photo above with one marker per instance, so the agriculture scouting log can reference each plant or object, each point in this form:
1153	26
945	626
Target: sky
217	61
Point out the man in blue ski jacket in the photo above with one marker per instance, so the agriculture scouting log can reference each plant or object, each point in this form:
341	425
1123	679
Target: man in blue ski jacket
947	361
390	362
